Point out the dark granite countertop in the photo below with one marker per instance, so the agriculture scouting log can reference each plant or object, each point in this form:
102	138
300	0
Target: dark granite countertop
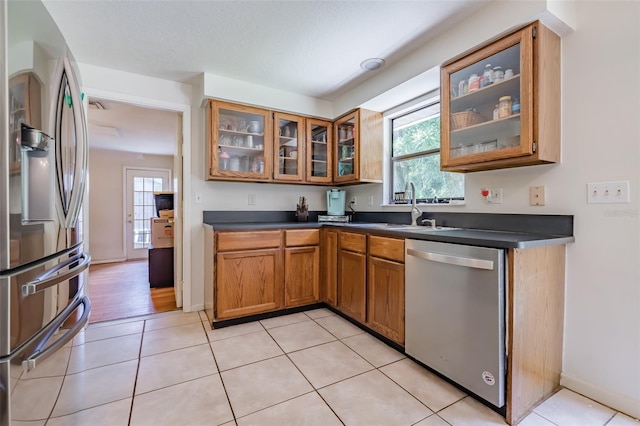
468	236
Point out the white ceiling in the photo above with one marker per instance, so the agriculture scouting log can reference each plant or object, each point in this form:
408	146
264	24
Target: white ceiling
307	47
123	127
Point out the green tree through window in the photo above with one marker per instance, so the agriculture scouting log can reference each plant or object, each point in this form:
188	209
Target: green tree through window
415	156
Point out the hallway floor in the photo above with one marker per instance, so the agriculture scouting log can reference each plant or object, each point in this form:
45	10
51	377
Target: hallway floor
121	290
312	368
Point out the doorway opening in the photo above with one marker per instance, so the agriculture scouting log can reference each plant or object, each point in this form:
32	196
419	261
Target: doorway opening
138	156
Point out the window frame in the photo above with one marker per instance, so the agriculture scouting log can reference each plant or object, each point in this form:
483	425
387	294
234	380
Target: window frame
424	101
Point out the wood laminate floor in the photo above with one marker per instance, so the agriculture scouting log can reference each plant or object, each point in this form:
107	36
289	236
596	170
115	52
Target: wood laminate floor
121	290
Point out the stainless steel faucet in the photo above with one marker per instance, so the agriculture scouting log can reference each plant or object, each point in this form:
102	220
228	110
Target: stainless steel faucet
415	211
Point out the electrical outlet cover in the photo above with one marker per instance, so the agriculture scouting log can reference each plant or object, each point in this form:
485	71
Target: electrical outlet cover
536	195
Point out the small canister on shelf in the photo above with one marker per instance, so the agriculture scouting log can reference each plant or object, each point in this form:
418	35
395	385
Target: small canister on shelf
498	74
474	82
504	109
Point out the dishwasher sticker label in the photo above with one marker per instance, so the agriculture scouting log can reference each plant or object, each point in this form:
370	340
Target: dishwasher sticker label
488	378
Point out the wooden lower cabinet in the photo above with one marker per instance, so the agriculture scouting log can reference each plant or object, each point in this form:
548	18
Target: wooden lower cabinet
386	298
535	323
329	251
352	284
302	276
248	282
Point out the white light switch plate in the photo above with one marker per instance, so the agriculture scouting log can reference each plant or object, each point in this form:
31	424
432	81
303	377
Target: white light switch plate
608	192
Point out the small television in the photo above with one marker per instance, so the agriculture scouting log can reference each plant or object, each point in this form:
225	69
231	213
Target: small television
163	201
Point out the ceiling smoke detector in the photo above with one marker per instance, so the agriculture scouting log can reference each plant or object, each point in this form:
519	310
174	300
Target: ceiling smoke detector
372	64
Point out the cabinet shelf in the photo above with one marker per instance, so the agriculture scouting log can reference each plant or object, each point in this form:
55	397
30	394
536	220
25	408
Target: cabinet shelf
487	95
239	132
486	131
240	149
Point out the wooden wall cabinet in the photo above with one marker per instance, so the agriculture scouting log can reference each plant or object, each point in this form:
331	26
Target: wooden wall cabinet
301	267
525	128
240	142
358	147
319	151
352	275
253	144
385	287
248	273
289	150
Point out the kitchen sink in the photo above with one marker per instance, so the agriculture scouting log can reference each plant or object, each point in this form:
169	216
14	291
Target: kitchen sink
418	228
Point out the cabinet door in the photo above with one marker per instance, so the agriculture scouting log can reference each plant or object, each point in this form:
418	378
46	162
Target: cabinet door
319	151
240	142
289	147
386	298
352	285
347	149
473	87
302	276
248	282
330	267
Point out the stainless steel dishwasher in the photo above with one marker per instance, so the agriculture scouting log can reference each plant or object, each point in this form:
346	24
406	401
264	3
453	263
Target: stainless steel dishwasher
455	314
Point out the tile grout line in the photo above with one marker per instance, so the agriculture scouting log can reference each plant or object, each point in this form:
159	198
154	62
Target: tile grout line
64	379
313	388
135	382
407	390
224	387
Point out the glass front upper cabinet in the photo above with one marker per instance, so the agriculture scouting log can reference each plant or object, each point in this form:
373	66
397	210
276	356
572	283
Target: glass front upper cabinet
346	148
319	144
240	142
487	102
289	150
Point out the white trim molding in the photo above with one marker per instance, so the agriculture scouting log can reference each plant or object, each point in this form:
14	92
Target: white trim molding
617	401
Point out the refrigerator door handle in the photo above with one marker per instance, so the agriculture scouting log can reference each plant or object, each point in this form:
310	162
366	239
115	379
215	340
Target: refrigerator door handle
51	277
39	355
80	173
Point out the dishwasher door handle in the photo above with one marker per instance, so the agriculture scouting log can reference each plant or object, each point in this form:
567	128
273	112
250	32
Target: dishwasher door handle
452	260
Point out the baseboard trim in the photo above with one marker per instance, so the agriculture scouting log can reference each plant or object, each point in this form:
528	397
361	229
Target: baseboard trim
194	308
611	399
98	262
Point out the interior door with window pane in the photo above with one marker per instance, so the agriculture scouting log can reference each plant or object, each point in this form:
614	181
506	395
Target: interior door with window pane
141	184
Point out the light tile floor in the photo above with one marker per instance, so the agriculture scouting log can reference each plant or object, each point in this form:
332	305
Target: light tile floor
312	368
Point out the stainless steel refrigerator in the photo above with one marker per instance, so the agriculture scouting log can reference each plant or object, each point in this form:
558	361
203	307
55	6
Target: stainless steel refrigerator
43	158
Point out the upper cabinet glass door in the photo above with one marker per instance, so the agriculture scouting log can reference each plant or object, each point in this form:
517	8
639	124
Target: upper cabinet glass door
289	150
319	144
346	148
240	142
487	103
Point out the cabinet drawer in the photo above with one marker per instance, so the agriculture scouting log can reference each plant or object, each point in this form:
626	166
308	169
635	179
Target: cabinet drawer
247	240
386	248
353	242
302	237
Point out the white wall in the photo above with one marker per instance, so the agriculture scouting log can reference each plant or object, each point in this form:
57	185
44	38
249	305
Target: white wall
106	198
